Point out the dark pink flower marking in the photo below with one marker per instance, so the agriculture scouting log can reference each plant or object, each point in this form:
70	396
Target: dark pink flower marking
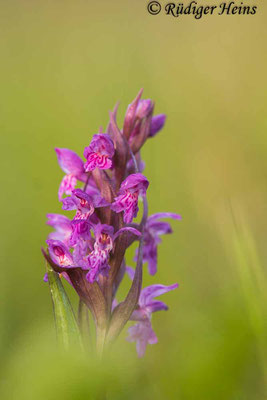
127	201
84	203
99	153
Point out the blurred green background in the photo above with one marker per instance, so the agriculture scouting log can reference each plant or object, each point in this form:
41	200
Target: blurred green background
64	64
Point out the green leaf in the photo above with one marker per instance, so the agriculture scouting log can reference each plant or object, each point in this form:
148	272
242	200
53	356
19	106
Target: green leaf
84	324
67	329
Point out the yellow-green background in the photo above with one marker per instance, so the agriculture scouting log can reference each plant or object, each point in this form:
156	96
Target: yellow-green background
64	64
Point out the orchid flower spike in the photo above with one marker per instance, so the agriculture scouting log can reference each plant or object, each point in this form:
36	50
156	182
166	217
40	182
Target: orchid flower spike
89	247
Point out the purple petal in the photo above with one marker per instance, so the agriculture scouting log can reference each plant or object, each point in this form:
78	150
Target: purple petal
143	334
139	315
130	214
151	257
103	228
79	253
159	228
137	181
97	268
156	305
157	124
62	226
80	194
148	293
57	220
69	203
91	188
98	258
127	229
141	347
153	338
84	204
80	230
102	144
128	204
127	201
164	215
59	253
69	161
67	185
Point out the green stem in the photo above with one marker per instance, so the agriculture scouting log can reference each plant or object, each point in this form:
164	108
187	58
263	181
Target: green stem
100	340
84	324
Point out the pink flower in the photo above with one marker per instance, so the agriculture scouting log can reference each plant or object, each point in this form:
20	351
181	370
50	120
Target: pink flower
72	165
154	228
59	253
84	203
99	153
127	201
142	333
62	226
103	246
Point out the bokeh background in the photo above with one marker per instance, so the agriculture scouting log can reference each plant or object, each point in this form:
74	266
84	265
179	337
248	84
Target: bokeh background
64	64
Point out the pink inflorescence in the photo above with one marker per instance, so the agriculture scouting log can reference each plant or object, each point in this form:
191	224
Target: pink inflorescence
89	248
